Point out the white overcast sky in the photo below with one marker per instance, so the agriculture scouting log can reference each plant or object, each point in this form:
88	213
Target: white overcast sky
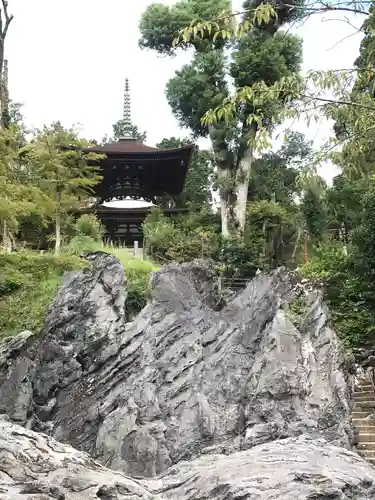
68	60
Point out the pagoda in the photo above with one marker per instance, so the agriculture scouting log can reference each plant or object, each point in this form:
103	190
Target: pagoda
133	170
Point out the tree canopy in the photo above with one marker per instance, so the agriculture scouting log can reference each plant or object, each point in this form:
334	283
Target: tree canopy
216	67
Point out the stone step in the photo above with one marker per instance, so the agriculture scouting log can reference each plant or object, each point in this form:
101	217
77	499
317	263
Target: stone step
365	446
364	387
364	399
364	395
360	414
365	428
363	404
367	453
366	437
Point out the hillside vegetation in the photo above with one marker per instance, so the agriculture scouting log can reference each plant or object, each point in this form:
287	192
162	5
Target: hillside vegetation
29	280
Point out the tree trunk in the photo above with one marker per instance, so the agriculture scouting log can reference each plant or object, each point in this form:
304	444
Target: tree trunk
224	172
58	224
4	94
223	175
242	188
298	238
5	20
7	242
264	227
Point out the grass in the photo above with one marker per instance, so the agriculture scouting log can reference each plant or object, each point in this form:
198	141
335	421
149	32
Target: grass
137	272
29	280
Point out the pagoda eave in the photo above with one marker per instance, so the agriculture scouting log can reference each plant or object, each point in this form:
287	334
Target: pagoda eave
137	171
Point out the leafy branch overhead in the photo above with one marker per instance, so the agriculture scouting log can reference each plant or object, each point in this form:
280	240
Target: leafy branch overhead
227	26
319	93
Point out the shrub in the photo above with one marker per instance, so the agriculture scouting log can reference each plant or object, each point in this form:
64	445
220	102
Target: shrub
138	276
239	258
348	295
181	239
89	226
82	243
137	273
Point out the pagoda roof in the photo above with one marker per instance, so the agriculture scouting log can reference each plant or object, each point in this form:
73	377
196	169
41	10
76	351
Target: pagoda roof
134	170
131	147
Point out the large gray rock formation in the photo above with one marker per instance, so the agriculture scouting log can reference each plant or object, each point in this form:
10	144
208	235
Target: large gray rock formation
36	467
183	379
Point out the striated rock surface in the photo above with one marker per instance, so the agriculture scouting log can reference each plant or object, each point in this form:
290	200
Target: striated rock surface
182	380
291	469
36	467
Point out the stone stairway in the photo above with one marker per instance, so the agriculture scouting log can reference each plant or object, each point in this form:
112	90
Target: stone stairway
364	407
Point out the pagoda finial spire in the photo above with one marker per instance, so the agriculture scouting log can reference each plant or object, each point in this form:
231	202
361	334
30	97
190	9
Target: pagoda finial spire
127	112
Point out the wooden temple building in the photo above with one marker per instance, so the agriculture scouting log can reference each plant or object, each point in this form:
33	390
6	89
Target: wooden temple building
139	172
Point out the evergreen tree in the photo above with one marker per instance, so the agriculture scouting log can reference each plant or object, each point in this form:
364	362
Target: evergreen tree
263	54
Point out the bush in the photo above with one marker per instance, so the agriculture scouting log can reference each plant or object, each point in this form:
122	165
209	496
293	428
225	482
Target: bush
186	238
239	258
138	275
348	295
28	282
181	239
89	226
82	243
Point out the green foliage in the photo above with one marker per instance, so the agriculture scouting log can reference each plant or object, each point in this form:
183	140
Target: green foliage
239	257
28	282
296	310
344	206
161	24
181	239
65	175
195	236
349	297
314	210
89	225
138	274
17	192
261	55
82	243
88	235
364	235
275	227
274	176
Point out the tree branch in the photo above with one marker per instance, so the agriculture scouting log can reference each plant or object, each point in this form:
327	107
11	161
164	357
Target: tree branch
8	20
344	38
309	10
339	102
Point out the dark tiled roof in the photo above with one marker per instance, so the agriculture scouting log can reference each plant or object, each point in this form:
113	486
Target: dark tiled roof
131	146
